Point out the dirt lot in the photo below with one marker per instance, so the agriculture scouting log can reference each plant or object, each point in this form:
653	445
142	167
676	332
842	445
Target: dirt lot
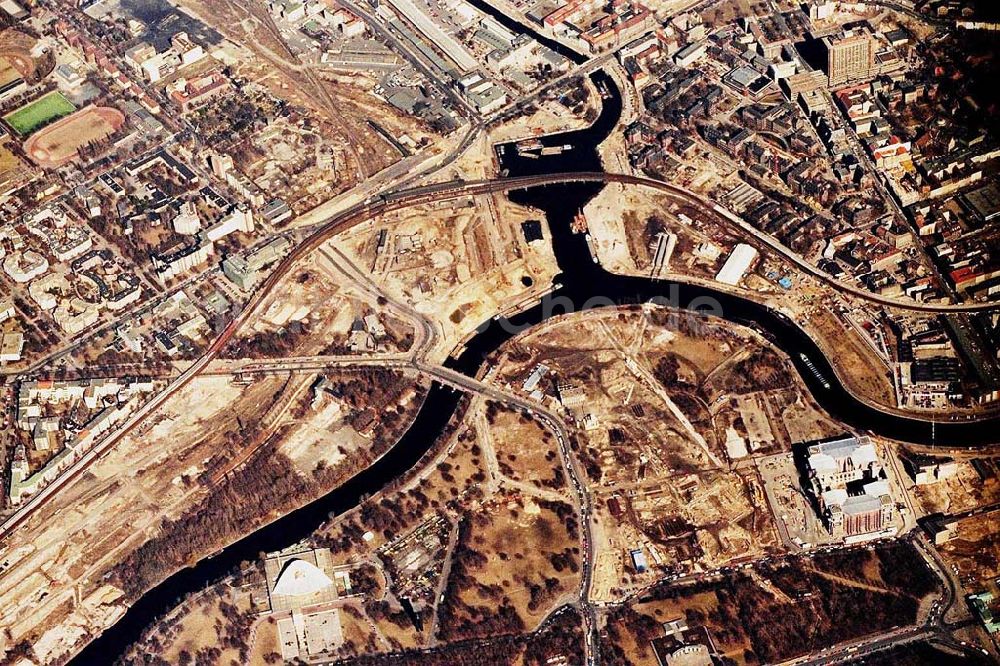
525	451
856	365
976	550
549	118
657	401
963	491
665	390
312	311
84	533
459	262
625	236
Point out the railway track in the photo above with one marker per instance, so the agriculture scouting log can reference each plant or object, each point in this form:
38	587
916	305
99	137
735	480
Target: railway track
399	200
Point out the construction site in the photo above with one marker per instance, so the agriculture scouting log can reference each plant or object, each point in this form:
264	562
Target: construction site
325	307
458	262
672	472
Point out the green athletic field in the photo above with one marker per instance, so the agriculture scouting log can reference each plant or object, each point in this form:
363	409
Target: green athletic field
41	112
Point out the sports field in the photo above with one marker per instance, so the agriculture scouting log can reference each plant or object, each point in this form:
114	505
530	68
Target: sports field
41	112
60	142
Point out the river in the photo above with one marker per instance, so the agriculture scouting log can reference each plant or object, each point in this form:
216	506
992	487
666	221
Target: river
581	280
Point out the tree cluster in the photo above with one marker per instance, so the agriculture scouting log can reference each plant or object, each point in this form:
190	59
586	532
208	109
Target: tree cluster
233	508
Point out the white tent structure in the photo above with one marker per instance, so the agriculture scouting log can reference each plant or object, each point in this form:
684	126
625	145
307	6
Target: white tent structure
300	578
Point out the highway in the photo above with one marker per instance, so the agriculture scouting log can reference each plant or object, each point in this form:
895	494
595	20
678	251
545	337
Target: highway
382	204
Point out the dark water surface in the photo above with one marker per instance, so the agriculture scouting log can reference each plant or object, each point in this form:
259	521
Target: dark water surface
581	282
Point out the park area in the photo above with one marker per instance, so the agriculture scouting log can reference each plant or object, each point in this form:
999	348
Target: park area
777	611
39	113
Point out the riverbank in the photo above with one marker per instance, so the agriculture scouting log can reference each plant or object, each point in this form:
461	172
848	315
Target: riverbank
581	279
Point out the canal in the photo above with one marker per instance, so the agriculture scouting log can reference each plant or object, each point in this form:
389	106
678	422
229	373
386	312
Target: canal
582	284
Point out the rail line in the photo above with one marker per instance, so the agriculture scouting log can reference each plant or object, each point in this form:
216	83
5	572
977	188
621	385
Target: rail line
403	199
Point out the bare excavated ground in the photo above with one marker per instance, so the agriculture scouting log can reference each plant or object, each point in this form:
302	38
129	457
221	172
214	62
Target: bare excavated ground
654	407
976	550
459	262
114	507
312	311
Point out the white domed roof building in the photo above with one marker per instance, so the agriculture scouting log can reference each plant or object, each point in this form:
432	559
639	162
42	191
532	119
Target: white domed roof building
302	586
300	578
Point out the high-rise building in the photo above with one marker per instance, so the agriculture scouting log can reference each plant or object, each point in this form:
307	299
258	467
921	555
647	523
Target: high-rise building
850	57
186	221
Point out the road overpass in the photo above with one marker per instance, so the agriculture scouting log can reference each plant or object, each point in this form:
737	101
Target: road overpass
376	206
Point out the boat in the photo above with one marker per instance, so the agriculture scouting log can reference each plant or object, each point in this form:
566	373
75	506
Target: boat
816	373
527	145
556	150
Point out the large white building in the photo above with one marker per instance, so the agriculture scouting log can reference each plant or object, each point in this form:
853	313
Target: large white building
153	66
25	266
737	264
849	481
302	592
186	221
180	258
186	50
238	219
843	461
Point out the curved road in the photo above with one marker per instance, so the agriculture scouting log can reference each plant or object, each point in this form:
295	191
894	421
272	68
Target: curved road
756	234
453	189
382	204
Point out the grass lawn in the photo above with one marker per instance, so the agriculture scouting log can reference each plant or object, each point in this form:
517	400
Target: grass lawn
41	112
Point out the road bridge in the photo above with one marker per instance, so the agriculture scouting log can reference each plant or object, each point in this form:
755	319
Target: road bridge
400	200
